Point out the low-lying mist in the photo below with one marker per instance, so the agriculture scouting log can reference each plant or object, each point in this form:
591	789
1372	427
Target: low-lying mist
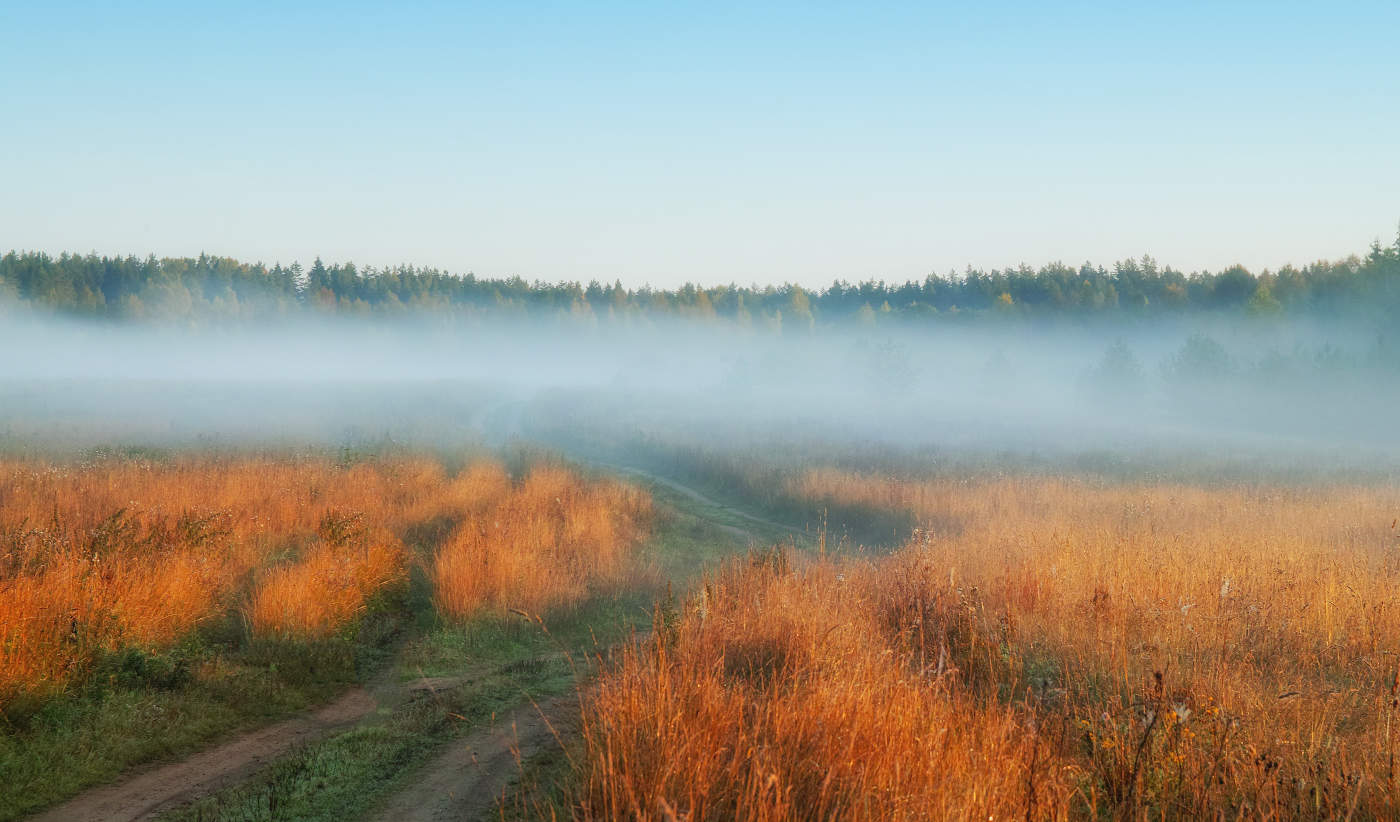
1291	391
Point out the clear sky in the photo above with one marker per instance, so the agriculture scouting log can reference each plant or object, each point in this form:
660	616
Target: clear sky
707	142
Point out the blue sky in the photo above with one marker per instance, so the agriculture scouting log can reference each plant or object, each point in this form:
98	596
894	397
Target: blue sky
711	142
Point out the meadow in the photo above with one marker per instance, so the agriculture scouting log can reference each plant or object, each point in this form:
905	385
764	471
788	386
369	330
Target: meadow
975	640
1041	647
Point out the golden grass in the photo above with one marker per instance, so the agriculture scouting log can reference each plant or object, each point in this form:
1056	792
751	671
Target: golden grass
543	545
775	698
1044	648
327	587
112	554
130	553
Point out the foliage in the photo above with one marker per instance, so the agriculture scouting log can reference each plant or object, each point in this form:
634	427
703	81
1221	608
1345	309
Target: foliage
1201	359
1119	375
211	289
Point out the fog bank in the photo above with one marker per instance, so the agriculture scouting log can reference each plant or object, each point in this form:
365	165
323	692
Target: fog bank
1302	390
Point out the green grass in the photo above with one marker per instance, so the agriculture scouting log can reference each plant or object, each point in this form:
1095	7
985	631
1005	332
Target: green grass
339	777
543	787
139	708
500	663
690	538
491	641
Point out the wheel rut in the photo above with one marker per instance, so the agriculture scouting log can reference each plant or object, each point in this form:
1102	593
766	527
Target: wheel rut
468	780
161	787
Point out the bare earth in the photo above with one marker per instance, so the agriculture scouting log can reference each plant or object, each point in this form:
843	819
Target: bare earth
467	780
165	786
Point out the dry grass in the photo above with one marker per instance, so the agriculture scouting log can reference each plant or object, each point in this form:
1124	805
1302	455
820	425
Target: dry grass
327	587
1044	648
113	554
125	553
775	698
542	545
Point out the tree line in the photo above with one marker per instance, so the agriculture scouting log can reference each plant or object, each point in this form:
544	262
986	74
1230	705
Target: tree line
209	288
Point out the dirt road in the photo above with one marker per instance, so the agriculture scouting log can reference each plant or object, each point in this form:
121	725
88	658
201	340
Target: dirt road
162	787
468	780
696	496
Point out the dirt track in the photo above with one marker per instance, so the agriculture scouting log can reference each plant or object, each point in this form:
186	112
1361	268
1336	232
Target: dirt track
695	496
162	787
468	779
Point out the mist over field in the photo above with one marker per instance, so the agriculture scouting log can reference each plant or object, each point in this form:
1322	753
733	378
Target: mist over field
1302	389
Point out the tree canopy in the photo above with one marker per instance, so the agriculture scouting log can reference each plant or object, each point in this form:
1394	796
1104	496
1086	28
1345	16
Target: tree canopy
221	289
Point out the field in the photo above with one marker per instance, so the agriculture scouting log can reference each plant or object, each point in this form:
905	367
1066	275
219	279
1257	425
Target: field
1040	648
976	641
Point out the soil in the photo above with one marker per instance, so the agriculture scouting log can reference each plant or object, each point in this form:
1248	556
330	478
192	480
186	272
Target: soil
161	787
469	779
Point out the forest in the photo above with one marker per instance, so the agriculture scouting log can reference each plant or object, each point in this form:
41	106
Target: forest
214	290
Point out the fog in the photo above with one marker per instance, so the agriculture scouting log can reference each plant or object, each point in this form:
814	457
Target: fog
1310	392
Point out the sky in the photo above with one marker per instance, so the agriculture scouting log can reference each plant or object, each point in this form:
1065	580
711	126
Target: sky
666	143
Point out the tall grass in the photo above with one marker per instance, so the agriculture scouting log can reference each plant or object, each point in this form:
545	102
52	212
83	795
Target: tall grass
1043	648
101	556
775	696
125	553
327	586
542	545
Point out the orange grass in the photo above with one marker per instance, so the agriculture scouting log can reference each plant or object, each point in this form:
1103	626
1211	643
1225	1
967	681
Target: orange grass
542	545
775	698
327	587
1044	647
125	553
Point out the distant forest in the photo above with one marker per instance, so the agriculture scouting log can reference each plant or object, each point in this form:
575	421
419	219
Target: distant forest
220	289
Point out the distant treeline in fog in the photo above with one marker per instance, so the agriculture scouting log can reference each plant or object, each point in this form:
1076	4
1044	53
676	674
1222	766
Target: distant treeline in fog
221	289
